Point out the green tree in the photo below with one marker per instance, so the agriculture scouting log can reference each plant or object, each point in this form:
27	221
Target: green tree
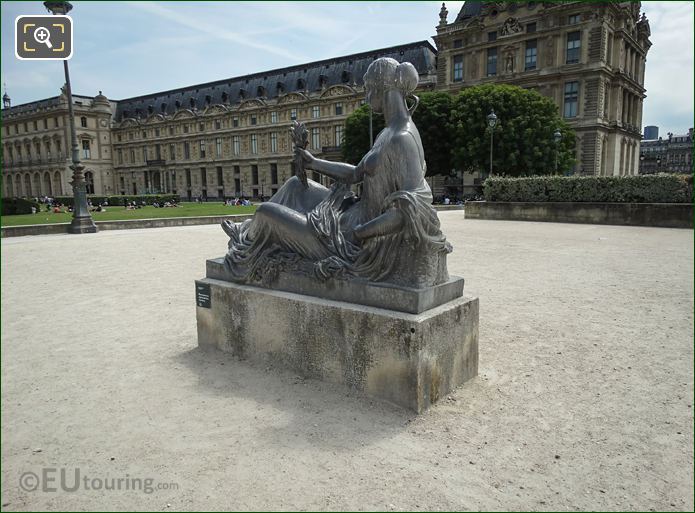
523	138
356	138
432	120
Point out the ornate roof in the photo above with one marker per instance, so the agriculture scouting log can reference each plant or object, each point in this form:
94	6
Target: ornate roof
313	76
470	9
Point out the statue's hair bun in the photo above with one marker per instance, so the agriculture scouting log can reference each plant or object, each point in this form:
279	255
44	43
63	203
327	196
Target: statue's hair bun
406	77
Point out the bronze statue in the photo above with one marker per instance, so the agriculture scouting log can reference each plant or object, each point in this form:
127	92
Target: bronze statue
390	234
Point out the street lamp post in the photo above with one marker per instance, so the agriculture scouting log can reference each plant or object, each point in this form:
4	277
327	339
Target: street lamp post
491	122
82	221
557	136
641	164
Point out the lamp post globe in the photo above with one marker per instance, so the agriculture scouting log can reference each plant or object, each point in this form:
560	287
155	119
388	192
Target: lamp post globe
557	137
492	119
492	123
82	221
61	8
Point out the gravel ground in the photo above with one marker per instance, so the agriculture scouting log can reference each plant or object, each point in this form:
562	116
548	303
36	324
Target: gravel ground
584	399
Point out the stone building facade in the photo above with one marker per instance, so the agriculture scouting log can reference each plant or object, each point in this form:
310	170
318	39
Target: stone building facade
589	58
673	154
231	138
37	147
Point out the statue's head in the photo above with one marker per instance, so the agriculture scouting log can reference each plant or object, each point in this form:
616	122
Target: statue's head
386	74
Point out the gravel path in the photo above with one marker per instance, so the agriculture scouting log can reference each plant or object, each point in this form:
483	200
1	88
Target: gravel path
584	399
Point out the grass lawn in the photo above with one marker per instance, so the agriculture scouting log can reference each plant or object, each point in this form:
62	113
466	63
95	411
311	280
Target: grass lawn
118	213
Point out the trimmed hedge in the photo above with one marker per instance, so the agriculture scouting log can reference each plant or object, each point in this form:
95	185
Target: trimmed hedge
15	206
149	199
656	188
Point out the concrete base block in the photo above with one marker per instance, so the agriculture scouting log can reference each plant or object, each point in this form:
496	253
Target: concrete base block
408	359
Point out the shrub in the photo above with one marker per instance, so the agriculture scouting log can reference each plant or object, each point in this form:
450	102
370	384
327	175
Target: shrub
149	199
14	206
658	188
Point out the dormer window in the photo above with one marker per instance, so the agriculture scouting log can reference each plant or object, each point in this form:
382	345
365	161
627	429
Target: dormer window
260	92
323	80
301	84
224	97
280	86
242	93
163	108
177	104
192	103
208	99
150	109
346	76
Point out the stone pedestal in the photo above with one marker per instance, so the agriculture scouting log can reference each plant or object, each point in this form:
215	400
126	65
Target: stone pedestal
409	359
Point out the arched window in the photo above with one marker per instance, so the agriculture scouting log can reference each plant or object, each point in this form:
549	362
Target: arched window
27	185
260	92
224	97
301	84
89	182
208	99
37	184
163	108
150	109
280	86
346	76
57	187
8	184
192	103
47	189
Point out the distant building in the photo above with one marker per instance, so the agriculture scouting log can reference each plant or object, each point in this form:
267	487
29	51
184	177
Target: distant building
671	155
651	133
589	58
220	139
37	147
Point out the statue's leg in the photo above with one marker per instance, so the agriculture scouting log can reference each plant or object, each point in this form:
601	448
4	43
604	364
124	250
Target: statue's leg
288	228
294	195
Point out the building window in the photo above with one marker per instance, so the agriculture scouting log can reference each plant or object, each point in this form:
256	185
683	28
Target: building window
274	117
171	130
26	128
158	151
45	123
339	135
185	129
574	42
574	19
235	122
220	178
218	147
491	62
457	68
315	139
120	156
254	120
293	114
458	43
236	145
172	152
144	134
55	123
144	154
218	124
86	153
202	149
89	182
132	156
530	55
156	132
186	150
254	174
237	170
338	109
201	127
83	122
273	142
492	36
203	177
188	177
273	173
131	136
316	112
38	150
571	99
531	27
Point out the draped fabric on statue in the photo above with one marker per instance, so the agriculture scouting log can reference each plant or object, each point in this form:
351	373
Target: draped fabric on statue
322	222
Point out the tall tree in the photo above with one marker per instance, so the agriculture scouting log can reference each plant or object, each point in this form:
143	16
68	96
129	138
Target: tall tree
524	142
432	119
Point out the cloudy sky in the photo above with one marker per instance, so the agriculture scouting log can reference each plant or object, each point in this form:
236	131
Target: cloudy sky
131	48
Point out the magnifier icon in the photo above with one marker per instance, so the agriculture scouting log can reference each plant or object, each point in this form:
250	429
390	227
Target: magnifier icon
42	35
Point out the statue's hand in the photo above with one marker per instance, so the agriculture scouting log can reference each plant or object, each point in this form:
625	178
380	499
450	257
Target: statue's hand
307	157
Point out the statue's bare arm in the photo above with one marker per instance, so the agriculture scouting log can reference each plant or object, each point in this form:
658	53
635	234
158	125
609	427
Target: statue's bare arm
339	171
